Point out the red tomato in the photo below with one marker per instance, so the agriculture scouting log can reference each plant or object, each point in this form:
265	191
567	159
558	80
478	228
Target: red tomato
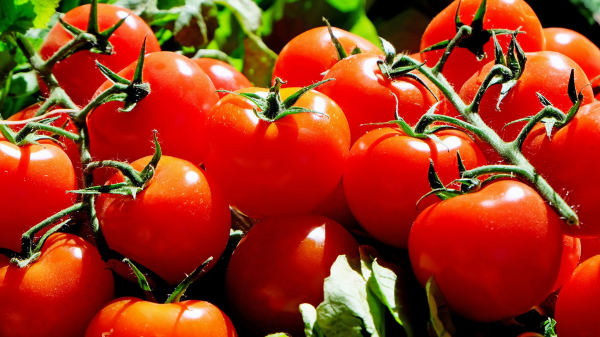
72	150
566	161
280	264
223	75
577	305
546	73
78	74
500	14
56	296
494	253
304	59
375	180
589	248
365	95
180	220
35	180
576	46
277	168
570	260
132	317
178	105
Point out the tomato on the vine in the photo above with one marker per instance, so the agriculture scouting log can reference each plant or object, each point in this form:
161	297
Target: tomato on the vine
223	75
280	264
575	46
177	222
78	74
569	261
57	295
494	253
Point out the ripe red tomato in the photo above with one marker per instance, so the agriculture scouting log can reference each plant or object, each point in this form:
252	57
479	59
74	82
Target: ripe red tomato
575	46
56	296
546	73
178	105
277	168
494	253
223	75
500	14
72	150
589	248
365	94
78	74
280	264
381	197
133	317
35	178
566	161
577	305
304	59
180	220
570	260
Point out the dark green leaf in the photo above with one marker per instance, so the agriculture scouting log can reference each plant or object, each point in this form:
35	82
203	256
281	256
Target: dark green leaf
293	98
259	61
16	16
437	46
477	23
498	53
111	75
572	90
461	165
434	179
296	110
543	100
389	50
142	281
338	46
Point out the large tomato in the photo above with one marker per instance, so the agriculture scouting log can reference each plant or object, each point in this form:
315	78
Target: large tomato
380	196
494	253
274	168
500	14
133	317
280	264
178	105
78	74
180	220
576	46
365	94
304	59
35	180
56	296
568	161
223	75
570	260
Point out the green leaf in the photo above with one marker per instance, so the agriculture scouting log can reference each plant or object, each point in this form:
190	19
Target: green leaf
278	334
434	180
16	16
346	5
309	316
365	28
196	23
440	322
246	12
258	62
44	9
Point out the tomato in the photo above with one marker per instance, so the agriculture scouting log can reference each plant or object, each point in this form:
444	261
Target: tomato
381	197
180	220
589	248
35	180
575	46
570	260
178	105
567	161
56	296
530	334
71	149
494	253
277	168
500	14
78	74
365	95
281	263
133	317
304	59
546	73
577	305
223	75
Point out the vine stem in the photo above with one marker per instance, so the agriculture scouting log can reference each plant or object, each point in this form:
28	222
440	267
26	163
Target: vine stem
509	151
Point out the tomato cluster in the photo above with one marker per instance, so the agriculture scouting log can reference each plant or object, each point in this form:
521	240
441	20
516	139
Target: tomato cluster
351	144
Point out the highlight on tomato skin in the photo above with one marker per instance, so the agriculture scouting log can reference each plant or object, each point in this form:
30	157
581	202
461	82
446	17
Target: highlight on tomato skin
223	75
575	46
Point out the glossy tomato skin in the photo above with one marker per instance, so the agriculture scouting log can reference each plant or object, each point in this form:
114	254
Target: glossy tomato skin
589	248
505	14
575	46
577	305
224	76
567	161
30	175
178	105
569	261
380	195
365	95
56	296
486	250
180	220
304	59
133	317
78	74
277	168
546	73
280	264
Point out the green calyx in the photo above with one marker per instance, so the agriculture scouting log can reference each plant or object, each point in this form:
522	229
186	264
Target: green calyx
272	108
478	36
99	44
341	52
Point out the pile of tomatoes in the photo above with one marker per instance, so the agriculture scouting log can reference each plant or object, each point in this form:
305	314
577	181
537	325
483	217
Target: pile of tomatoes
326	159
